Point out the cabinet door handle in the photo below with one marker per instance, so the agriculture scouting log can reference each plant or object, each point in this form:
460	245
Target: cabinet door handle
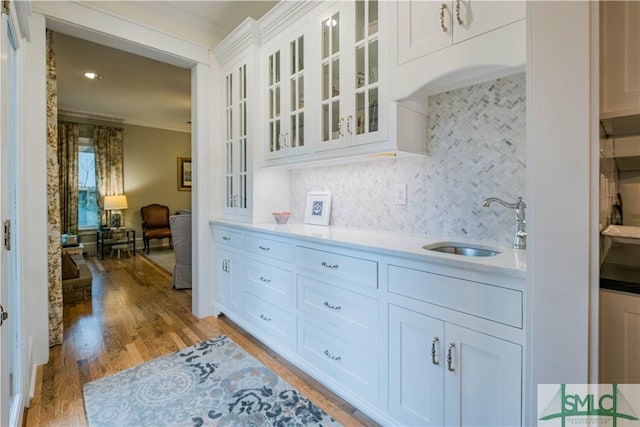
325	264
264	248
331	356
265	280
460	21
341	126
225	265
349	122
265	318
226	238
434	343
443	7
452	346
332	307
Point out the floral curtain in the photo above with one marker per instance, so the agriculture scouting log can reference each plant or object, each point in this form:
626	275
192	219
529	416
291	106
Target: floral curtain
108	147
54	244
68	135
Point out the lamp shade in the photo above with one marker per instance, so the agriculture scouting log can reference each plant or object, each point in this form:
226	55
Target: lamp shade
115	202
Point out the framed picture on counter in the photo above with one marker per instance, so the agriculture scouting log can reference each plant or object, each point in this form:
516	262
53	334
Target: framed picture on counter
318	208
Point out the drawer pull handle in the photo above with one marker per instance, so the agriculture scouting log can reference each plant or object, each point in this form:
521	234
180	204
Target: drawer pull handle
264	248
331	356
442	9
265	318
262	279
450	357
325	264
332	307
434	343
460	21
226	238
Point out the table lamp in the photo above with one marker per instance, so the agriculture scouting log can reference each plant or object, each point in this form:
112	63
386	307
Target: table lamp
114	204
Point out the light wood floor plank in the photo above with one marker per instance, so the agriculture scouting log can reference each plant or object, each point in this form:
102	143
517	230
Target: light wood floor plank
136	316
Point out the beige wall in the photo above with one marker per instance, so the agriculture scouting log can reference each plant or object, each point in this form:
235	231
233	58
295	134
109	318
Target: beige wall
150	169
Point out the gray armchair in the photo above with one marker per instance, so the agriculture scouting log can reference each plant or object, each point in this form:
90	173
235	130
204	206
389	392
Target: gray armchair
181	233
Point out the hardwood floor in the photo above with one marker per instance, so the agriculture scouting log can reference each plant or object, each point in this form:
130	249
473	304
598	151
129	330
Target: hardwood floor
135	316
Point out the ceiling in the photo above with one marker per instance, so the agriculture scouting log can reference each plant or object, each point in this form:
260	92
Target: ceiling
137	90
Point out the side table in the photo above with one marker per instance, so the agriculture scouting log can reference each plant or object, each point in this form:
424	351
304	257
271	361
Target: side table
110	238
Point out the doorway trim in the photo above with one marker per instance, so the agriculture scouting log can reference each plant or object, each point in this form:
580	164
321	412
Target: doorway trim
90	23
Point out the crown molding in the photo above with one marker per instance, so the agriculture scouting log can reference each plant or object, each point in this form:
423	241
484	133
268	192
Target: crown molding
241	38
285	15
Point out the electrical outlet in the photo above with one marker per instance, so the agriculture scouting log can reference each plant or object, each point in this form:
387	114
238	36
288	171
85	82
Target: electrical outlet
400	194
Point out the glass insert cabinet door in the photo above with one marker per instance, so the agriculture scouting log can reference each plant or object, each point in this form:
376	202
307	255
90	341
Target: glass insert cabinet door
236	139
285	97
349	70
367	65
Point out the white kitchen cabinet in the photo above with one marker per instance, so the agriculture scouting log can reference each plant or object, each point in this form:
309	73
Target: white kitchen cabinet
444	374
228	280
425	27
377	328
351	76
619	338
236	139
619	58
287	86
243	185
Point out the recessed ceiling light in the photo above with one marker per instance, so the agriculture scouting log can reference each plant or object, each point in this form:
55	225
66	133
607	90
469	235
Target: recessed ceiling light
92	76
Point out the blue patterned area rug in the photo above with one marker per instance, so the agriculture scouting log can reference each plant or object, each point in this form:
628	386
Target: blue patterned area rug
214	383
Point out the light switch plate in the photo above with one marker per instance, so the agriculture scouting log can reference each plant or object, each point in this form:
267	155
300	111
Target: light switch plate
400	194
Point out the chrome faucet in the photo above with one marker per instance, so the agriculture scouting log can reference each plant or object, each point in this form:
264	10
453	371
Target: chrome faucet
520	239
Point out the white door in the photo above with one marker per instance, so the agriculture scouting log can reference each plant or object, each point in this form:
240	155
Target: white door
9	330
416	367
483	385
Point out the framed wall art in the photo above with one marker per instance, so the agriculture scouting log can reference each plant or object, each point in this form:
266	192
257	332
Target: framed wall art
184	173
318	208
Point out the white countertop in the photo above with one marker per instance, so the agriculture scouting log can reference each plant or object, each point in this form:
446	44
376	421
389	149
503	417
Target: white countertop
511	262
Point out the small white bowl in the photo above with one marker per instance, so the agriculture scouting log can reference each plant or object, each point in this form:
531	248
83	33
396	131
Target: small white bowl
281	217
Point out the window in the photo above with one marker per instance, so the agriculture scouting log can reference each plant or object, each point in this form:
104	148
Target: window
87	193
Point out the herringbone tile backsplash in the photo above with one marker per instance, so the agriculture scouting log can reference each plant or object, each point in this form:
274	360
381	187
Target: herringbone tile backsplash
476	149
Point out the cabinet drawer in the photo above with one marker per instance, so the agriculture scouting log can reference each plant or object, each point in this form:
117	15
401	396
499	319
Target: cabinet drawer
343	358
275	323
267	247
273	284
358	270
347	310
228	237
479	299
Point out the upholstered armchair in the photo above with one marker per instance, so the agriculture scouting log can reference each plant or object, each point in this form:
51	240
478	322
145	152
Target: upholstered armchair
181	232
155	224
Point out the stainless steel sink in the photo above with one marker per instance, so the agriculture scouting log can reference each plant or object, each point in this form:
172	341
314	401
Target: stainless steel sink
461	249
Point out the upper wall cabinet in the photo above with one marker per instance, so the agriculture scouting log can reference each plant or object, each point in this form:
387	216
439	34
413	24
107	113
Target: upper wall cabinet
351	84
427	26
238	55
444	45
619	58
287	83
